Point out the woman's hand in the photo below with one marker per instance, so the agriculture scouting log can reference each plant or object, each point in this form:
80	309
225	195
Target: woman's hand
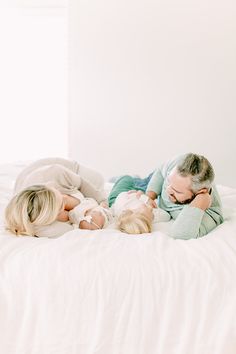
68	204
63	216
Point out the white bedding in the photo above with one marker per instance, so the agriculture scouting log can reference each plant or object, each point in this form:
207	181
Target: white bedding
104	292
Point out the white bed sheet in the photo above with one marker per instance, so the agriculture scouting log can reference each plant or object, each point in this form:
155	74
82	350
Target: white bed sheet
105	292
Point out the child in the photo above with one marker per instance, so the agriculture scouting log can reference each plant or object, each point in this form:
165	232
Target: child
134	210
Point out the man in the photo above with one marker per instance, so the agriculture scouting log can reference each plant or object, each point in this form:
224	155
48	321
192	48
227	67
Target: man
184	188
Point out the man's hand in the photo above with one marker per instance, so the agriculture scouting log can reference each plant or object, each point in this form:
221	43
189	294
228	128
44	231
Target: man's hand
152	196
152	203
202	201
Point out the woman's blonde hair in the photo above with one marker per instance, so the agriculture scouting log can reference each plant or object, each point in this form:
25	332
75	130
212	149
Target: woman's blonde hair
133	222
37	205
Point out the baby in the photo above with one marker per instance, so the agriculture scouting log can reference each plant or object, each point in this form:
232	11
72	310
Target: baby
135	212
90	215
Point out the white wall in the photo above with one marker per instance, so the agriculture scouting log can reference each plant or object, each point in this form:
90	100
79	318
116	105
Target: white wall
150	79
33	80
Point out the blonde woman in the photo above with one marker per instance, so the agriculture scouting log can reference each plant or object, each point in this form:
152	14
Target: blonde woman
134	211
45	194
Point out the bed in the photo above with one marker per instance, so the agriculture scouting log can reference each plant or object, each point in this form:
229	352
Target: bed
104	292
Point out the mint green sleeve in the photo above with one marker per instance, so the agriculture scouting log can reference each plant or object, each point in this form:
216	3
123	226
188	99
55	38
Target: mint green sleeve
156	182
194	222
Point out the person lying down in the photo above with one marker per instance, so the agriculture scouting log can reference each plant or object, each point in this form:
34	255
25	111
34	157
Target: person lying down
48	190
40	210
134	211
53	196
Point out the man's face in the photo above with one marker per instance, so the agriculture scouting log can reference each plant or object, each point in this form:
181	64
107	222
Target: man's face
179	188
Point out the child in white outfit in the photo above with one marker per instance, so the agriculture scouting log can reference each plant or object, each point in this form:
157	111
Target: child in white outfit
135	211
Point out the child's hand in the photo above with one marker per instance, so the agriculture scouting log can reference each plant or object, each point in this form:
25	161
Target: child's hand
104	204
131	191
139	193
147	200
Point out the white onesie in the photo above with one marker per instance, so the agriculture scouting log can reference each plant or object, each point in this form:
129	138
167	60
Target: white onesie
131	201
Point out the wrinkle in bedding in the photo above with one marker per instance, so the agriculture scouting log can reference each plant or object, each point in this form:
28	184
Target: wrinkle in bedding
105	292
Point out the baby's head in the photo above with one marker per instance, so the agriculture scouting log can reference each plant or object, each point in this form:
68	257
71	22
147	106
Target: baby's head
136	221
90	215
94	220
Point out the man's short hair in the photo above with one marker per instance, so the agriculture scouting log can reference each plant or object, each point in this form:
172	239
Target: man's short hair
199	168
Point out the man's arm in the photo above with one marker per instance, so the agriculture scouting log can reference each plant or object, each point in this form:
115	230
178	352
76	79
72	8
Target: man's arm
197	218
194	223
154	186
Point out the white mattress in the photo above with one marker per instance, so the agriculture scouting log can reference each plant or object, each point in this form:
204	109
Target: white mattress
105	292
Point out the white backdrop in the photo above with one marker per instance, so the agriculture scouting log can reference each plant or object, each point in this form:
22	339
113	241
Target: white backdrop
33	79
151	79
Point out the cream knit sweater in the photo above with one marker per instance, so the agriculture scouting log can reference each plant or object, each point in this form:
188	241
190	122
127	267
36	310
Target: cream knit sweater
68	177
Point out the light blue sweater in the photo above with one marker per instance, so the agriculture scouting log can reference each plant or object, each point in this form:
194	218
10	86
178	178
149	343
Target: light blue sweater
190	222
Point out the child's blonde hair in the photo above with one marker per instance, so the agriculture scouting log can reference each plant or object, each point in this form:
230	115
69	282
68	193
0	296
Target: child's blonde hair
133	222
37	205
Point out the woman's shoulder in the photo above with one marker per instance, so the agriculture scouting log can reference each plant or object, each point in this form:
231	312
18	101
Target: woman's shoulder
43	170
